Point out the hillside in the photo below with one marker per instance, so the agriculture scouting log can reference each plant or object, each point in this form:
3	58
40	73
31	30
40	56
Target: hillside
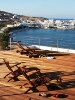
10	18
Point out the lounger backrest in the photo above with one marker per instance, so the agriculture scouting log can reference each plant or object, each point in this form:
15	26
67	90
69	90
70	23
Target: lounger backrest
25	75
7	64
28	47
20	46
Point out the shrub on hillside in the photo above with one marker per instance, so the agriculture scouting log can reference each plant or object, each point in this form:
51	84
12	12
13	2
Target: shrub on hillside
4	40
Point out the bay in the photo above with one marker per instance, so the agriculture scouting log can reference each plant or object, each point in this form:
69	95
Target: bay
46	37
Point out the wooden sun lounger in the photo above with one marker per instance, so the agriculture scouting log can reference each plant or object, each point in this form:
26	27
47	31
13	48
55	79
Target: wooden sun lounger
26	50
15	72
32	84
23	50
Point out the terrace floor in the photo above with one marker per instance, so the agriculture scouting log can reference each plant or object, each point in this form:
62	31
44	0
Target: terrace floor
63	65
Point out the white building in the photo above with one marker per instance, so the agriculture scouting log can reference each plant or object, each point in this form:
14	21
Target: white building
23	20
58	23
16	16
4	20
7	14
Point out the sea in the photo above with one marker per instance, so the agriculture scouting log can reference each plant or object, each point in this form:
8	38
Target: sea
61	38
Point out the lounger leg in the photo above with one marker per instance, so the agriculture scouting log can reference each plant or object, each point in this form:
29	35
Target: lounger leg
33	89
6	75
14	78
47	87
27	90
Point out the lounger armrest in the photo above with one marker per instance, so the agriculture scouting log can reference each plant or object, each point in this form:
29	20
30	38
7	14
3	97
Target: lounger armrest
16	65
37	72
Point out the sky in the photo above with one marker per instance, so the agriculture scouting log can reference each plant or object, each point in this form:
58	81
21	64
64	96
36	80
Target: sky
40	8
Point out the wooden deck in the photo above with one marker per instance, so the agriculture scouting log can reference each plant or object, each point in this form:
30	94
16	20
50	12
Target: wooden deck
63	65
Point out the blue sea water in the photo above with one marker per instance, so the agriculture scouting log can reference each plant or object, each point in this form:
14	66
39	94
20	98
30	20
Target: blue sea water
48	37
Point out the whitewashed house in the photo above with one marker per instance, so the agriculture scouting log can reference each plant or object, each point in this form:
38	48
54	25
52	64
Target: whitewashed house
51	23
7	14
10	25
4	20
72	24
58	23
23	20
16	16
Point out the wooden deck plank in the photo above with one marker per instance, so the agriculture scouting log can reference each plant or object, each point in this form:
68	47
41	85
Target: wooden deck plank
63	66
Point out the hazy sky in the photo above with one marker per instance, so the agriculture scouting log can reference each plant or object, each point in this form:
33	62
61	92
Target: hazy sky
40	8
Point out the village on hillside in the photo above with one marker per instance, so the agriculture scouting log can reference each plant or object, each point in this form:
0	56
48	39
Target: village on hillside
13	20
